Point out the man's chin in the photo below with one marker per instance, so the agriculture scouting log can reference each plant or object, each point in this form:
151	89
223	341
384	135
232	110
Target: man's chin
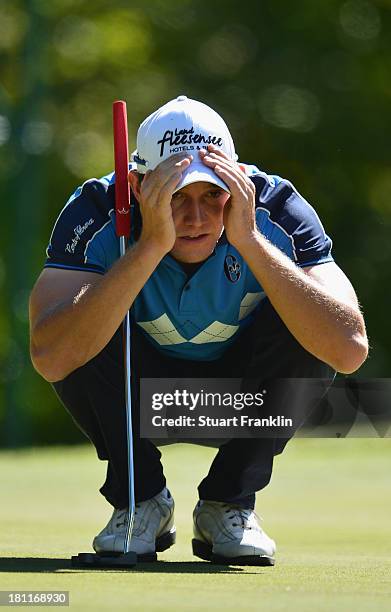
188	260
194	255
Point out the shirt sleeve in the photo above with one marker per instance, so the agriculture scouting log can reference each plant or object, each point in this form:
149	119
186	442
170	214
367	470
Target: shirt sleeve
82	233
291	223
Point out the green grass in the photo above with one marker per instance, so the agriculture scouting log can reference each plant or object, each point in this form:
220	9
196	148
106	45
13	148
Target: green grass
328	507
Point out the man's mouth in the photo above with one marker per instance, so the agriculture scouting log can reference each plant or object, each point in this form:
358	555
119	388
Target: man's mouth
193	237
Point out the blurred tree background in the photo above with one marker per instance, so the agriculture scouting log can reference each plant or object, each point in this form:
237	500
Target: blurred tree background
304	86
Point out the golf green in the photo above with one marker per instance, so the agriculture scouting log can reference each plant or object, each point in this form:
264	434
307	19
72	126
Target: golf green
328	507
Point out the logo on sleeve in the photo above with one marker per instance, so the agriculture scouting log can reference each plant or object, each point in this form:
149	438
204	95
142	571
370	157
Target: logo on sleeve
77	233
232	268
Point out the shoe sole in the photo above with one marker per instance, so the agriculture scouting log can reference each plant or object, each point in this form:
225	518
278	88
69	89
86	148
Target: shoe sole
161	544
204	551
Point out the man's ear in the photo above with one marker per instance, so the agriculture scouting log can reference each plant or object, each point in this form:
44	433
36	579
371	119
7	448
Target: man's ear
135	184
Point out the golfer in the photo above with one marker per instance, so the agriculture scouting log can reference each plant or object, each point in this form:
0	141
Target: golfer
229	274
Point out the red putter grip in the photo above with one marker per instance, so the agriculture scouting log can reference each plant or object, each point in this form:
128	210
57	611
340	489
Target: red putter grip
121	164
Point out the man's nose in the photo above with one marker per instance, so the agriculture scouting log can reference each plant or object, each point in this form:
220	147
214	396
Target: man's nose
194	213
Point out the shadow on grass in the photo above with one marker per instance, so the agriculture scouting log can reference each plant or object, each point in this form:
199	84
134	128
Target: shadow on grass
51	565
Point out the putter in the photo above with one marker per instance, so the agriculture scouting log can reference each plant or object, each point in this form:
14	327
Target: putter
122	225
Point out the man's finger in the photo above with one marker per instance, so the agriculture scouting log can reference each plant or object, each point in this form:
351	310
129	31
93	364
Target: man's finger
159	177
215	162
236	174
172	161
236	183
168	164
163	187
213	149
168	188
215	157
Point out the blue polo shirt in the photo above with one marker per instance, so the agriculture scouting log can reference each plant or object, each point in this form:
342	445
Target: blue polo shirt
201	316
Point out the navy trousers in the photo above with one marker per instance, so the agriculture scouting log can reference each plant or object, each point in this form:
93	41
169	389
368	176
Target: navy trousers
265	352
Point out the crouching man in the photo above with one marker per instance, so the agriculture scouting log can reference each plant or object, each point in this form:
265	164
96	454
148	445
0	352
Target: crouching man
229	274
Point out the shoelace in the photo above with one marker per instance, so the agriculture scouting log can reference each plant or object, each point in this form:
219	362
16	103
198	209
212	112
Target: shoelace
243	514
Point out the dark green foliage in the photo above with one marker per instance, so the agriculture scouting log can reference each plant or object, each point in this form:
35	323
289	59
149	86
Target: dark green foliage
305	88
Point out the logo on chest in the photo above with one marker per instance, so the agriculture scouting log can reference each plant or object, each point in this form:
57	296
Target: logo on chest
232	268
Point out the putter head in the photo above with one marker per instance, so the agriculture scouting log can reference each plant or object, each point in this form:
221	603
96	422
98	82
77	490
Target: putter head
92	560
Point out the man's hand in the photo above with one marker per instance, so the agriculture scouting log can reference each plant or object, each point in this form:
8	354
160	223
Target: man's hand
154	197
239	211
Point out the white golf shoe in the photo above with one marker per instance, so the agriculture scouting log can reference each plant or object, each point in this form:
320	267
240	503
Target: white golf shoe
153	529
227	534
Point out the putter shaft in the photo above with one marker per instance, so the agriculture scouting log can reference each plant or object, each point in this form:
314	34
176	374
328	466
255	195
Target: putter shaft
129	431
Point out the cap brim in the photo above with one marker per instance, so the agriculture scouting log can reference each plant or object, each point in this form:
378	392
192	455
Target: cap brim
198	173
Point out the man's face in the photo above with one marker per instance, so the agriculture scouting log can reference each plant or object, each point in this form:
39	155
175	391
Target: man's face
197	210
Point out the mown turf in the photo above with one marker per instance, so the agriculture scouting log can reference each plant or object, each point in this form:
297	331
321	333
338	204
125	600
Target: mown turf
328	507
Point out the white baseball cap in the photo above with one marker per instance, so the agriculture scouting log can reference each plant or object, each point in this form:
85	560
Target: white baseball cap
183	125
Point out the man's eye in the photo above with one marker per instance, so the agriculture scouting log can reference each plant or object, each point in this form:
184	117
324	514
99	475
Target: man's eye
216	193
177	195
